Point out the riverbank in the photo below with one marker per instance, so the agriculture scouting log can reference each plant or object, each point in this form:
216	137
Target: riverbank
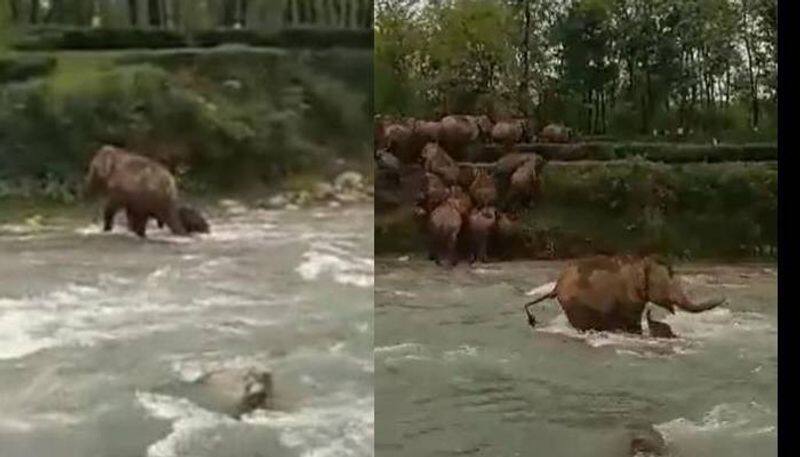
229	117
725	210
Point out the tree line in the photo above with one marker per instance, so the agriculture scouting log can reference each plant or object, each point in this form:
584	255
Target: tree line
168	14
604	66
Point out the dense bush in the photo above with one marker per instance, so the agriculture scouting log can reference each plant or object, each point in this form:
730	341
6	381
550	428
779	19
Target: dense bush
233	119
22	67
55	38
655	152
697	210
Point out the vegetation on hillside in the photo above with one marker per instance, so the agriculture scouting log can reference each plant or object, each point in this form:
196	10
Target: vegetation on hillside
622	67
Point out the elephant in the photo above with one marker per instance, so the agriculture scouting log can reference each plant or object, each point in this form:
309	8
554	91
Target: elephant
433	192
610	292
438	162
508	235
481	224
483	189
506	165
556	133
459	131
466	174
444	226
398	138
508	133
658	329
143	187
192	220
525	183
461	200
427	131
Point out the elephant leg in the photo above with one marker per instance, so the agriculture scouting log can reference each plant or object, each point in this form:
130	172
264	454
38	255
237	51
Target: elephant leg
137	223
109	212
452	249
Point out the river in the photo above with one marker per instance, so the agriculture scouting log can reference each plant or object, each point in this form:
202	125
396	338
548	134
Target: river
93	326
460	372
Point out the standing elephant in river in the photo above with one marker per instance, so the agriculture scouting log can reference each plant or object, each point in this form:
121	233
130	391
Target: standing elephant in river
610	293
141	186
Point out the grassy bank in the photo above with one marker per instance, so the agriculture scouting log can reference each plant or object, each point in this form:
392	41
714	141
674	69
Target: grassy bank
233	116
693	211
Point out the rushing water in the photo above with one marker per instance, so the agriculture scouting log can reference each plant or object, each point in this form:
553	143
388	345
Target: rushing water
460	372
93	325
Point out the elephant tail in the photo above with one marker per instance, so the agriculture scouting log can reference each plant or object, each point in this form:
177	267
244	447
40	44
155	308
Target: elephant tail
526	307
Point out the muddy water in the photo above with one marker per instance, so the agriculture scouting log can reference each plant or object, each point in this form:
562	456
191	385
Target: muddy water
94	328
459	372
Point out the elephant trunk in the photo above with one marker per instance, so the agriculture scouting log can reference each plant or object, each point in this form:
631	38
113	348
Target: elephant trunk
700	307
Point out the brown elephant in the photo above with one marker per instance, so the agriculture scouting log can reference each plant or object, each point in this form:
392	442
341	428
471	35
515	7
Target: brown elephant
556	133
444	226
457	132
433	192
483	189
481	224
508	236
466	174
143	187
398	138
192	220
427	131
437	161
508	133
610	293
525	182
461	199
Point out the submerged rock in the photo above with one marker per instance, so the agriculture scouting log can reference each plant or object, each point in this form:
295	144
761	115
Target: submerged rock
231	391
645	440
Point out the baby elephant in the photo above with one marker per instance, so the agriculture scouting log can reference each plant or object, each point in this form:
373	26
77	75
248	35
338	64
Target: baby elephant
192	220
610	293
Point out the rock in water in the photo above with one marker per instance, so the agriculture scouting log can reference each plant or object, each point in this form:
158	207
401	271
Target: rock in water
646	441
232	391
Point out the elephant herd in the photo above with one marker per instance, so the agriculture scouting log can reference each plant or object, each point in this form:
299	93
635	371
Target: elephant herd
464	209
472	208
405	138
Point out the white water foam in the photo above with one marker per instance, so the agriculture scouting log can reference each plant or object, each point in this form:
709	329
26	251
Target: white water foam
339	426
338	263
191	424
737	419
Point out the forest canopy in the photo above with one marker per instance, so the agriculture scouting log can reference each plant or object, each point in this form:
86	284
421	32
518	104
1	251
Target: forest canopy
619	67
